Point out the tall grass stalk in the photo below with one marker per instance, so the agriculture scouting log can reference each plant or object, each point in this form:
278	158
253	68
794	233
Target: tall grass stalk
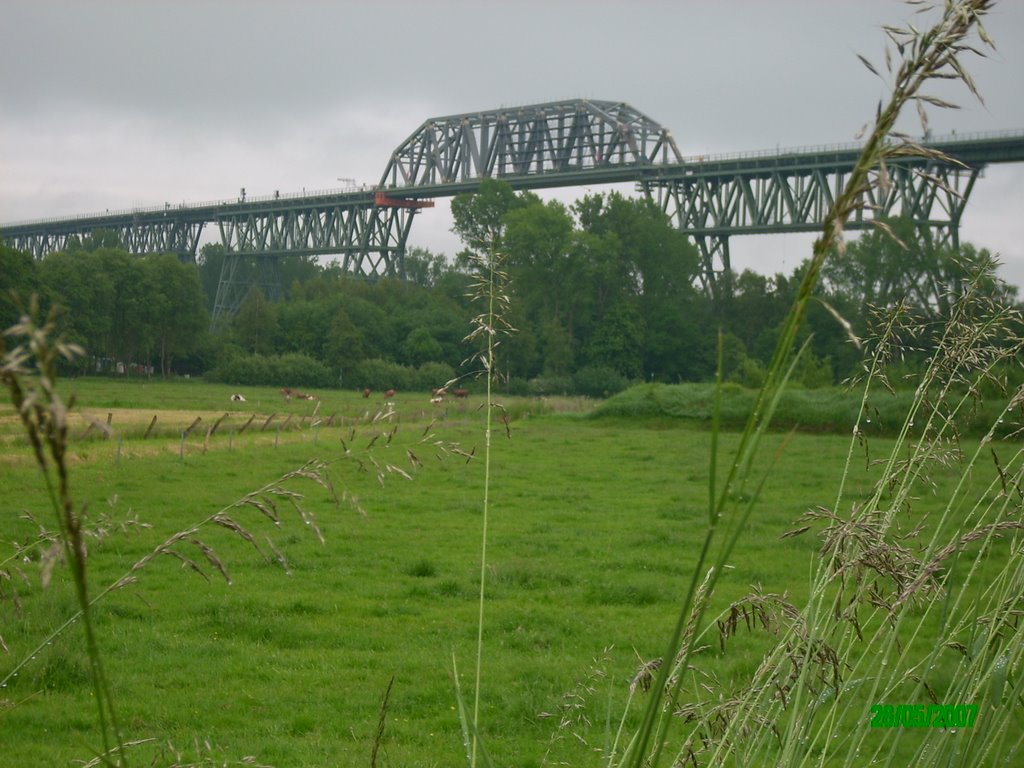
490	288
271	502
197	555
29	373
921	56
872	597
489	416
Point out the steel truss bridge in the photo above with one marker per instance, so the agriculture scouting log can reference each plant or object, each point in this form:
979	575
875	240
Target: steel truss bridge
557	144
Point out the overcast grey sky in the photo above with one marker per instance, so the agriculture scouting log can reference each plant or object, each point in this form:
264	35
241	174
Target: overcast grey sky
113	104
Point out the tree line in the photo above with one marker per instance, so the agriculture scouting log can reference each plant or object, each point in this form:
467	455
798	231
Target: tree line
602	294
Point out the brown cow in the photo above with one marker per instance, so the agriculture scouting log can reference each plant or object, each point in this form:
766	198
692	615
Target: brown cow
389	394
460	392
288	393
367	392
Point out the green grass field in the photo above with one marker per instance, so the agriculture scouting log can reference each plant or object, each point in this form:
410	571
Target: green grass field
595	525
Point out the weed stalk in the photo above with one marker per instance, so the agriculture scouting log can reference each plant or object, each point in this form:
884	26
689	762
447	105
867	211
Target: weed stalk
925	56
29	373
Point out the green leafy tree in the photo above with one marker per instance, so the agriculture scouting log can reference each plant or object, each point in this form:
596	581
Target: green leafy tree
76	283
618	341
424	268
519	350
344	347
601	271
178	315
658	258
479	217
255	326
556	349
99	240
302	326
295	271
132	304
210	262
755	309
899	262
420	347
373	323
538	237
677	343
18	277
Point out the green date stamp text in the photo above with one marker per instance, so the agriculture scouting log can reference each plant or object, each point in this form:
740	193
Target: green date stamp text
923	715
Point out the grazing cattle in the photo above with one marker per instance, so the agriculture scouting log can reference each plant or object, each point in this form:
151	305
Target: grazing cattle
439	392
288	393
367	392
389	394
237	398
460	392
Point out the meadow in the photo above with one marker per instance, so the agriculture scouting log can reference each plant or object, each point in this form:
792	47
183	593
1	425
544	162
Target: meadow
663	586
595	527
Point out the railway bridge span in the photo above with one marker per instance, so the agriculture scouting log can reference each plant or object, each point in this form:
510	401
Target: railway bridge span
555	144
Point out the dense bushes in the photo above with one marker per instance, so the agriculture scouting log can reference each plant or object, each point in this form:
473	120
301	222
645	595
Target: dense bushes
598	381
291	370
298	370
592	381
550	385
823	410
816	410
383	374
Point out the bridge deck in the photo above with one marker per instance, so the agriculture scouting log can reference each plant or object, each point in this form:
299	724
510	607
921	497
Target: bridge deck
558	144
974	150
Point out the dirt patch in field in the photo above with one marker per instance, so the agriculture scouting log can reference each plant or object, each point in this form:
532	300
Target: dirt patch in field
15	459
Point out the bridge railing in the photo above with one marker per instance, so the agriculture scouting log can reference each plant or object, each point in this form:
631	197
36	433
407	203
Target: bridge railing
943	140
950	138
183	206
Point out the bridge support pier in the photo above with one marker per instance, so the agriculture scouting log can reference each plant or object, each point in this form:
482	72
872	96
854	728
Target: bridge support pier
711	202
716	267
239	276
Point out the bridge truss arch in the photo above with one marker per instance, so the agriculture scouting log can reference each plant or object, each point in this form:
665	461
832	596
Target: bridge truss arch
553	139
